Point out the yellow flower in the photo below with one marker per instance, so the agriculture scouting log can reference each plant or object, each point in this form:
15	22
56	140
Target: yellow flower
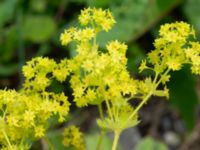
28	71
143	66
103	18
73	137
13	120
84	34
116	46
39	131
78	91
29	117
85	16
67	36
174	64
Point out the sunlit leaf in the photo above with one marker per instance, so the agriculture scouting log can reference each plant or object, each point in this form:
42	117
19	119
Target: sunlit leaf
6	70
38	28
7	8
91	142
149	143
134	18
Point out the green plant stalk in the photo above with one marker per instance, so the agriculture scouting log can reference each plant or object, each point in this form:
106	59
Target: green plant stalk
100	111
109	109
145	99
102	131
7	139
149	94
116	139
21	144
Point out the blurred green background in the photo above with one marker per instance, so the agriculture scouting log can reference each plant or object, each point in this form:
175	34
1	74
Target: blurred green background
30	28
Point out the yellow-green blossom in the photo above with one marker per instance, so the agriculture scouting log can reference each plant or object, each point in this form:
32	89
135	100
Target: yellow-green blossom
73	138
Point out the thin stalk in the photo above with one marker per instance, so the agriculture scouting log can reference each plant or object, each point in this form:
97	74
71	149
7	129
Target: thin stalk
7	140
21	143
149	94
155	79
140	105
102	131
109	109
100	111
166	72
116	139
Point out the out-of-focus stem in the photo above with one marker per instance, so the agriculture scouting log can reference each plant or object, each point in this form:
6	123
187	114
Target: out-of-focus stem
7	139
116	139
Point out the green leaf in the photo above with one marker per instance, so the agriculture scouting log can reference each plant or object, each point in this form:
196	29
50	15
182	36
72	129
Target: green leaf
38	28
8	44
164	5
134	18
7	8
149	143
38	5
183	96
6	70
91	142
97	3
192	12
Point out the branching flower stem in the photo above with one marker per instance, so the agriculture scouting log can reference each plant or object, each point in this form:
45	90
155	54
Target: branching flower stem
145	99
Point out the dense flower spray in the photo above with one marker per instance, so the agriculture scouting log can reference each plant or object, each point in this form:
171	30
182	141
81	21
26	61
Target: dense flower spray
24	114
101	77
98	77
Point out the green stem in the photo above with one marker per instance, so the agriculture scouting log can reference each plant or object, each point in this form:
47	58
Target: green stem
149	94
116	139
21	143
102	131
155	79
7	140
166	72
109	109
140	105
100	111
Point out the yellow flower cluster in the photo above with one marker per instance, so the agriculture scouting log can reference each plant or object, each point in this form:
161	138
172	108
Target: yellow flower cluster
172	49
96	20
193	54
73	138
96	76
25	114
39	71
99	76
102	19
169	51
